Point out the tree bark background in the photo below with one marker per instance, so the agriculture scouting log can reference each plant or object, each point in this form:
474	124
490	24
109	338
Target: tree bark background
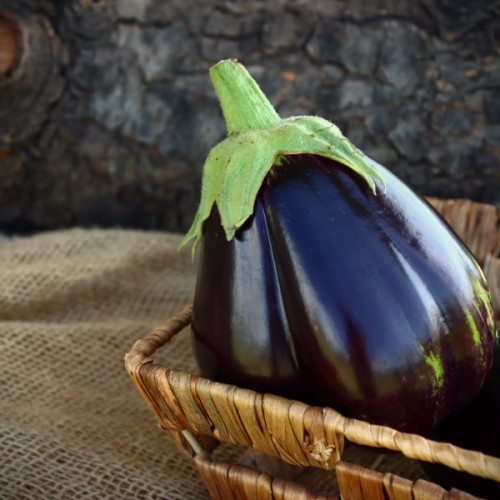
108	114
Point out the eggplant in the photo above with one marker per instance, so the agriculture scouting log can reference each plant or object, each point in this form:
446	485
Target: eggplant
323	277
241	333
474	428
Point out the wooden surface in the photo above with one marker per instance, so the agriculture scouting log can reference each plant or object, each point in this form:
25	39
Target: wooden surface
111	118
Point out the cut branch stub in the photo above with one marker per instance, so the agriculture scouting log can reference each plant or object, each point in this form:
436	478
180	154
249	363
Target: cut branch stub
10	45
31	57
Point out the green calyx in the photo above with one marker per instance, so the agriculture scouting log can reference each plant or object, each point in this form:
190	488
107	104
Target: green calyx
258	139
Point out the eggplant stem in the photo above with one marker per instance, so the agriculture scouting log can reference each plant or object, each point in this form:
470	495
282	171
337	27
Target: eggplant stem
244	105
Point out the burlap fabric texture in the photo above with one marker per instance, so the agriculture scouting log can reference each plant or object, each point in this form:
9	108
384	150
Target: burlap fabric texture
72	426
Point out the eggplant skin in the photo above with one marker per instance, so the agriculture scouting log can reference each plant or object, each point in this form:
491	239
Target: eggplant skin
475	428
336	296
241	334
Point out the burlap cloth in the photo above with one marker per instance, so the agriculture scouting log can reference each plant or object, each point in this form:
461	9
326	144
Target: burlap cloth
72	425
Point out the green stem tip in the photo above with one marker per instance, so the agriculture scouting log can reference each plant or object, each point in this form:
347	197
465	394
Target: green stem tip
244	105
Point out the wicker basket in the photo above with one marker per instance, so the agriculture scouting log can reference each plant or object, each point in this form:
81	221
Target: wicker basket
200	414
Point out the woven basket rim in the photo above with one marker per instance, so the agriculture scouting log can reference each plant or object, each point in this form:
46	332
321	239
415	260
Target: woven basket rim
413	446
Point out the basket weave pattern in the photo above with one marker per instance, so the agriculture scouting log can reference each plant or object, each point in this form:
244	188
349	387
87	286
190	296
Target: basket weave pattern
201	413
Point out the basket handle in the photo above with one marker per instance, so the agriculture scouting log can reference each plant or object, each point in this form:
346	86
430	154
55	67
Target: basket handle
143	350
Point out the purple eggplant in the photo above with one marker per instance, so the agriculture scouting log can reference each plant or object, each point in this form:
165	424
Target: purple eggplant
340	287
241	333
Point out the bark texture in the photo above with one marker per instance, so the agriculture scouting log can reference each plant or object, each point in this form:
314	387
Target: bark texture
107	112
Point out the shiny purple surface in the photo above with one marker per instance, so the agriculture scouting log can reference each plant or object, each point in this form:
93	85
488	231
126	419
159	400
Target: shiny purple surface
338	297
241	333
